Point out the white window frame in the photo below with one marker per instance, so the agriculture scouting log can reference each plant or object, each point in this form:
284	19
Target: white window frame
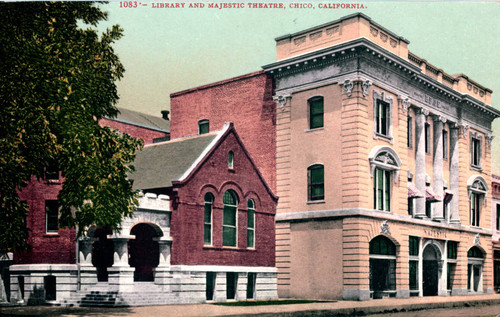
476	156
477	188
211	219
381	97
251	230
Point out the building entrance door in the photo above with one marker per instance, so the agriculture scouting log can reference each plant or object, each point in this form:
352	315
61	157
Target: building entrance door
144	252
430	274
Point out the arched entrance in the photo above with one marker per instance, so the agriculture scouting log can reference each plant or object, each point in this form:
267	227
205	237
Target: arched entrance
144	251
382	267
102	253
475	261
430	273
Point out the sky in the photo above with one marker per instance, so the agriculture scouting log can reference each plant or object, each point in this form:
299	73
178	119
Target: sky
169	50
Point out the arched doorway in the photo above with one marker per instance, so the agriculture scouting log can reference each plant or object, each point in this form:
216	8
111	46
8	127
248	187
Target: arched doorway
475	261
382	267
102	253
430	273
144	253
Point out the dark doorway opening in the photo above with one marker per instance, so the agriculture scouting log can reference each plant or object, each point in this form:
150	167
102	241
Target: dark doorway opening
252	277
231	284
49	283
430	273
102	253
210	285
144	252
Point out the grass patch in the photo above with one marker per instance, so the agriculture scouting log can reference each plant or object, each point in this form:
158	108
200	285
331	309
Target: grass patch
272	302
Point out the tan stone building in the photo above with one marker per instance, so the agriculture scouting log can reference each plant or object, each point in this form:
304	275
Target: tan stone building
383	168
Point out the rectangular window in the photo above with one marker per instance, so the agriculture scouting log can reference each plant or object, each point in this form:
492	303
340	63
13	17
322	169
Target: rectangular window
409	132
207	230
316	190
382	118
451	275
498	217
231	284
251	228
452	249
382	190
414	245
210	282
252	277
203	126
427	138
52	172
413	275
49	283
475	149
475	209
229	227
428	209
445	144
316	113
51	216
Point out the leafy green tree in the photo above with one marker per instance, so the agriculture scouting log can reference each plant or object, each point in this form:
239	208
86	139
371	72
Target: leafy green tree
57	79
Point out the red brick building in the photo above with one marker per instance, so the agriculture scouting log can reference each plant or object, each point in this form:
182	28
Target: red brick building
246	101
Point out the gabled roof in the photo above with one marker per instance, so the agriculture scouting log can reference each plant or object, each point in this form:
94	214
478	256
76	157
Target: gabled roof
158	164
142	120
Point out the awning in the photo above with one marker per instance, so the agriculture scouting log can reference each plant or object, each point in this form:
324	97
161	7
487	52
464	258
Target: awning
413	191
447	196
431	196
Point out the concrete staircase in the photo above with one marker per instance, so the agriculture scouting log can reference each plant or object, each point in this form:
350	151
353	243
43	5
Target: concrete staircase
142	294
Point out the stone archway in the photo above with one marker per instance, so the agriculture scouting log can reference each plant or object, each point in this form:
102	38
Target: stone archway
430	273
144	253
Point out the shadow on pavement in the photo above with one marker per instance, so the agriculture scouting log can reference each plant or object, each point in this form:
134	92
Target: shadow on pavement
63	311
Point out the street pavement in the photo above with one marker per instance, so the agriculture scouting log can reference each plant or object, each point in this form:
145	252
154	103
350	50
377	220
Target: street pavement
383	307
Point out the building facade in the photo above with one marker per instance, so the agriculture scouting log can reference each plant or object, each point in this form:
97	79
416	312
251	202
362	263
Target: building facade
495	227
203	231
385	153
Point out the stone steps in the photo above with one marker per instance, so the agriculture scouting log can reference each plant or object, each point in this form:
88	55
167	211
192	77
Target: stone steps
141	294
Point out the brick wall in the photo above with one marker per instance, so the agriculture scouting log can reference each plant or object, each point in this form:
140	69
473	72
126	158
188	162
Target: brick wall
148	135
246	101
215	177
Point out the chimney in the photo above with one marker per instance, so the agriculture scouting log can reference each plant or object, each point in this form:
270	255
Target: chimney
164	114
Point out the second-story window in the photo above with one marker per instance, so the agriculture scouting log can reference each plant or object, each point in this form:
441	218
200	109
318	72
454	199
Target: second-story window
207	228
316	106
51	216
229	222
409	132
475	150
382	189
52	172
382	118
203	127
230	160
498	218
475	209
427	133
316	182
250	224
445	144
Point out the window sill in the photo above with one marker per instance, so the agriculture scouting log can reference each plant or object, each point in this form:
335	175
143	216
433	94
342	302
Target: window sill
231	170
314	129
312	202
208	247
476	168
387	138
51	235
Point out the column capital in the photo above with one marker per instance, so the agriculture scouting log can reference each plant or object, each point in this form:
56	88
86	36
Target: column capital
421	110
464	128
366	87
489	137
440	118
405	103
348	86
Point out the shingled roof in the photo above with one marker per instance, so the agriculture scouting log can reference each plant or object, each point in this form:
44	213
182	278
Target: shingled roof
157	165
142	120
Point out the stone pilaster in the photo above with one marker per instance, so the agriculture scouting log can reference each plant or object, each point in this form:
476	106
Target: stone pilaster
121	275
454	180
420	118
437	166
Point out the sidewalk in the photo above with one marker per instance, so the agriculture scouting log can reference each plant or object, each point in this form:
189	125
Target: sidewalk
352	308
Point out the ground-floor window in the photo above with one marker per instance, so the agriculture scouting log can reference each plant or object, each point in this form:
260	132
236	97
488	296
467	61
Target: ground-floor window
49	283
231	285
252	277
451	275
414	289
496	270
210	282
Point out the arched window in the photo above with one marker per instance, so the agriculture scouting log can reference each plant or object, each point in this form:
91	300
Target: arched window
477	189
316	182
382	266
207	230
250	224
203	126
230	160
315	112
229	222
475	261
384	166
